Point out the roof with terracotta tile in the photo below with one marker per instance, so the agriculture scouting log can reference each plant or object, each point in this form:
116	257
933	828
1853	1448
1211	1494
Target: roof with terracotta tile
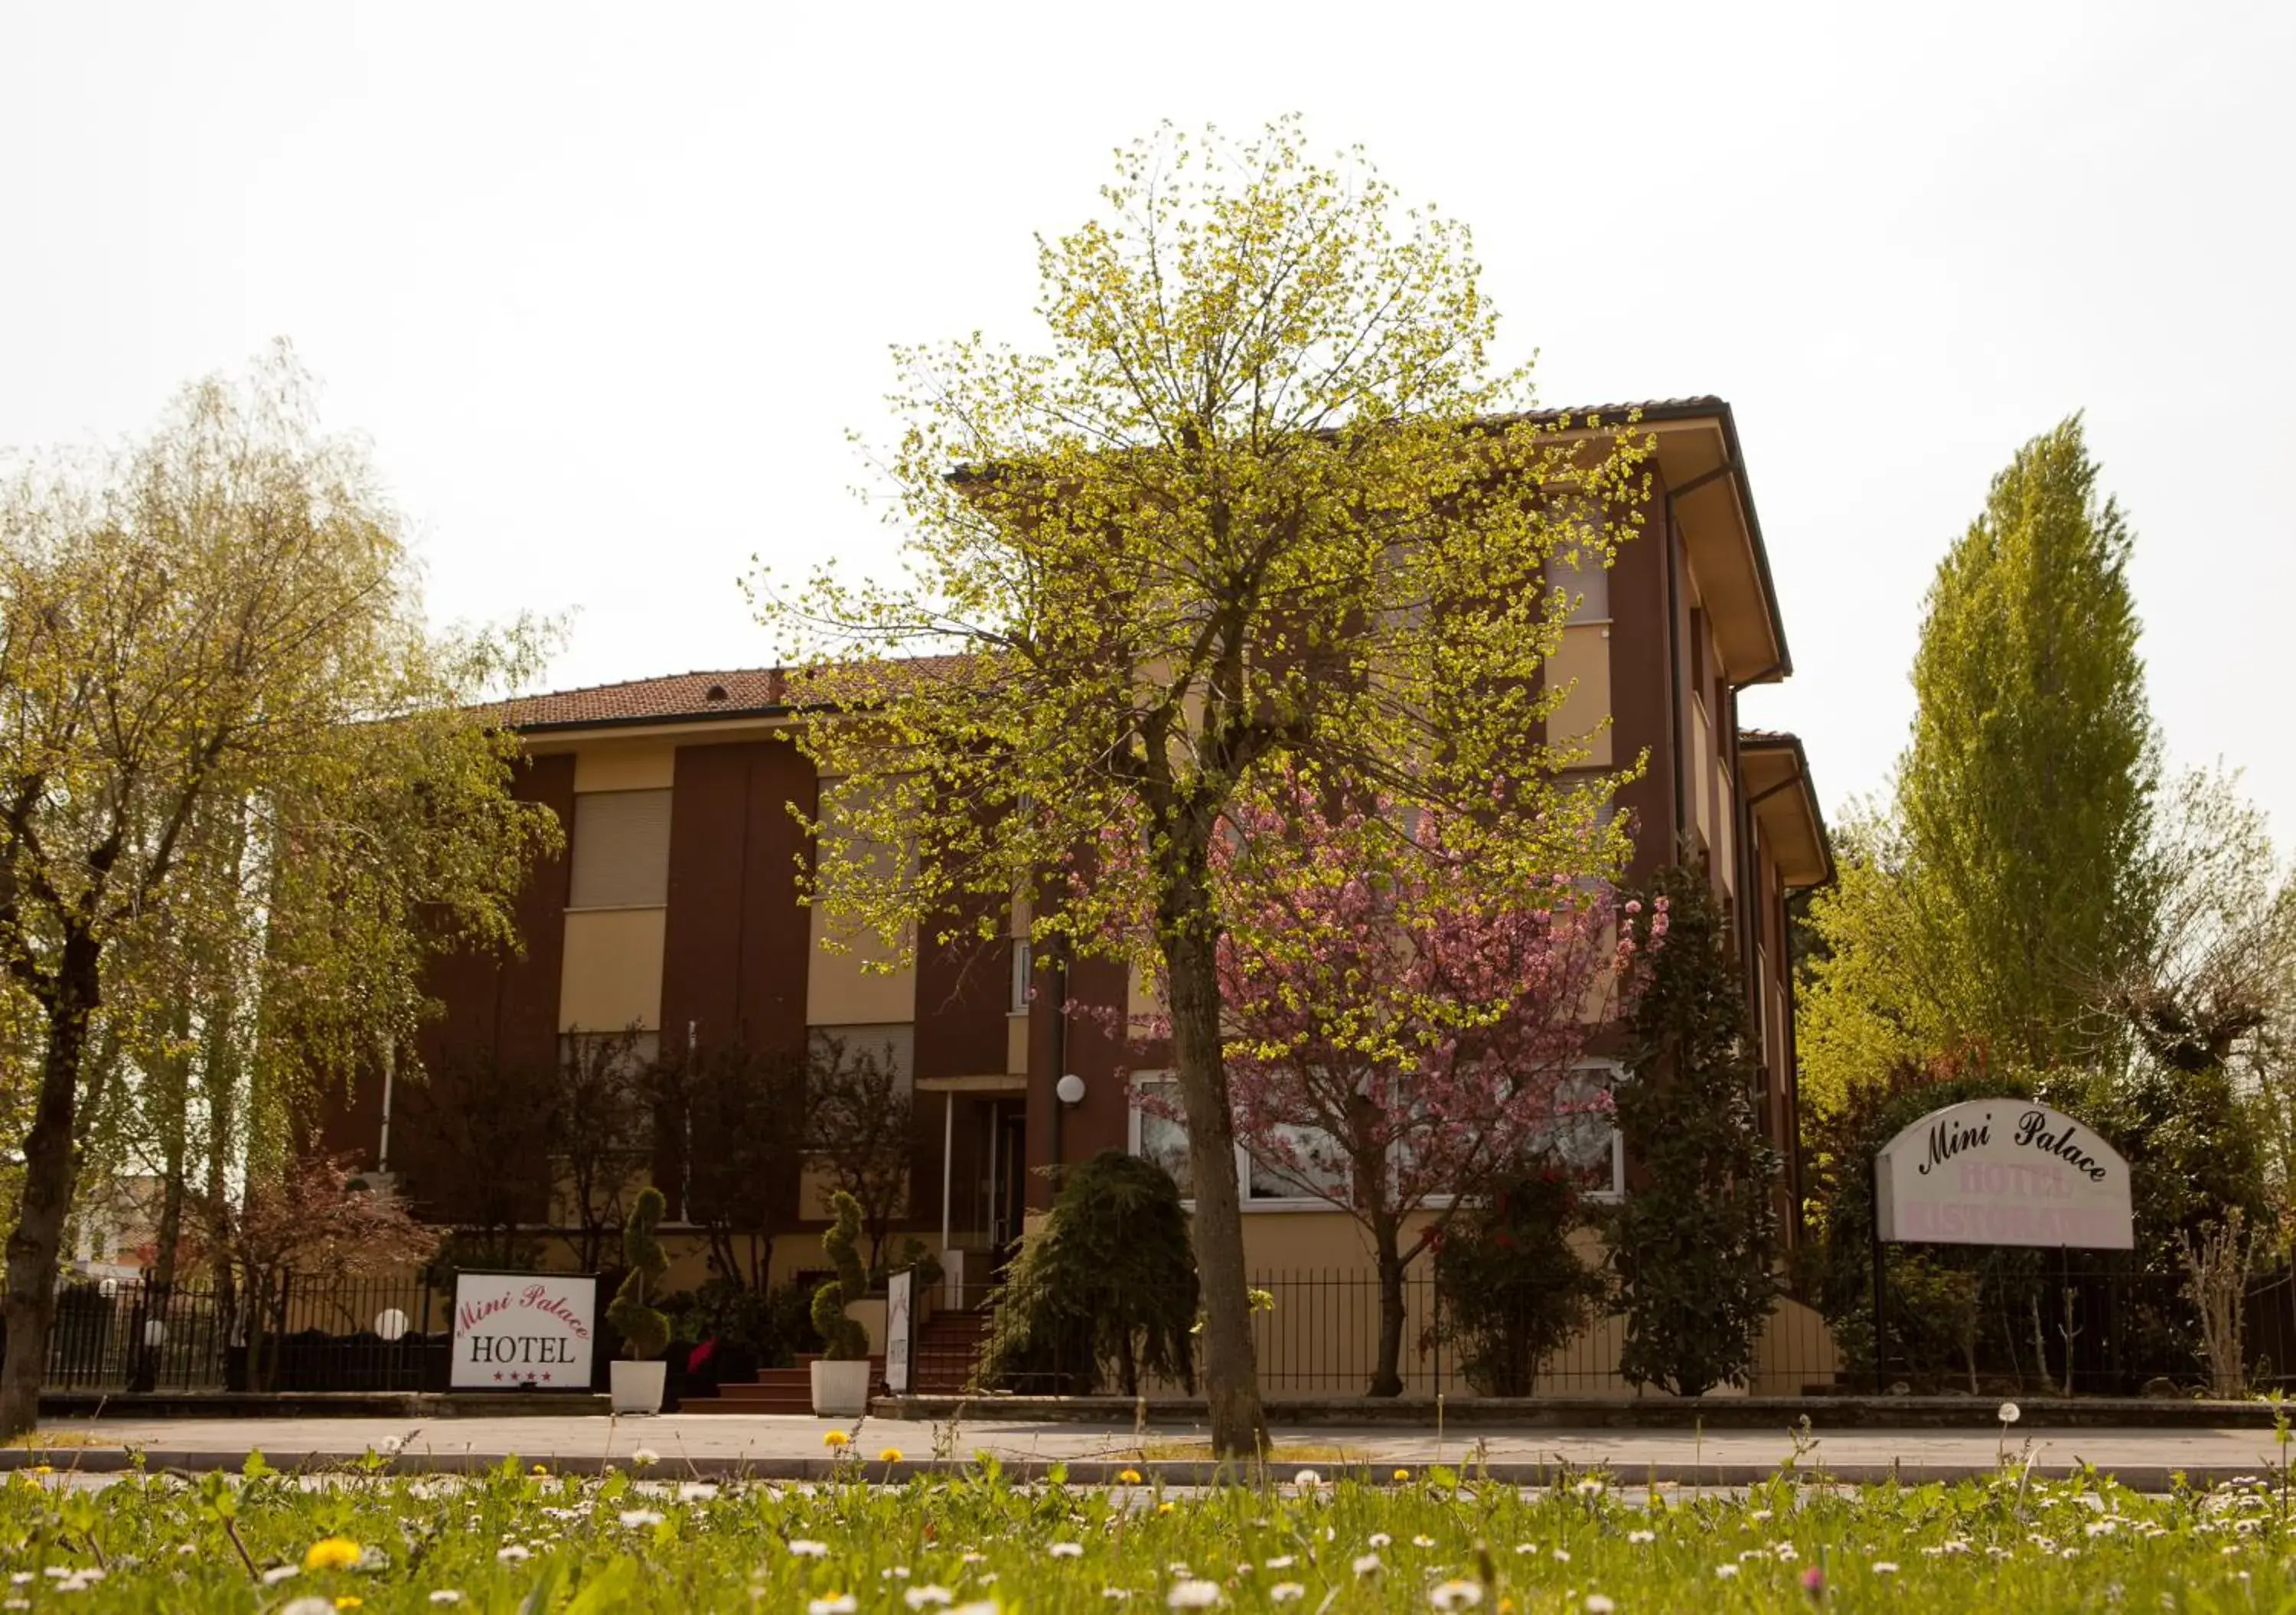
729	692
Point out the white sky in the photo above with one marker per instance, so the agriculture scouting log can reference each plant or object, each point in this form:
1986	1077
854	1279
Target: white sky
607	285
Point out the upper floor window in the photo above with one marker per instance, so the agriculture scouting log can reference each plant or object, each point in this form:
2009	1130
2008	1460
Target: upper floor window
1576	563
1022	966
621	849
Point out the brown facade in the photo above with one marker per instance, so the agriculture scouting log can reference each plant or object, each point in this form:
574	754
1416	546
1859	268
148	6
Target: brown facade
727	954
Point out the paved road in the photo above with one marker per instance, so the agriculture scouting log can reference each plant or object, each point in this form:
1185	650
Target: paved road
791	1447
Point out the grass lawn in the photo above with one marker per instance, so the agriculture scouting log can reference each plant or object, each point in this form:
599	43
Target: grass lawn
517	1540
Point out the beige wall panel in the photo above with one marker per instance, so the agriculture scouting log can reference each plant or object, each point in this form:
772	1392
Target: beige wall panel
612	972
625	766
1583	661
1016	1045
846	986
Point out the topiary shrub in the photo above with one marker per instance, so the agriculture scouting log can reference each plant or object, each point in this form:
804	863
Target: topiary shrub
1512	1290
1105	1287
843	1339
645	1331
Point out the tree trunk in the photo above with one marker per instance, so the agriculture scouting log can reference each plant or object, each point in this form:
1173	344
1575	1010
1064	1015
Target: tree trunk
1387	1368
159	1282
49	1165
1239	1427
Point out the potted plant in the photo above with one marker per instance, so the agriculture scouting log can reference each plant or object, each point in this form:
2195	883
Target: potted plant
638	1373
840	1374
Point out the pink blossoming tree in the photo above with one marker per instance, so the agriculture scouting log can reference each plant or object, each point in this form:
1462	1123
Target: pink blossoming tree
1399	1033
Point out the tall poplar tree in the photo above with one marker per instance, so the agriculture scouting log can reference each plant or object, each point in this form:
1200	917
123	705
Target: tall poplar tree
1263	507
2012	890
2027	795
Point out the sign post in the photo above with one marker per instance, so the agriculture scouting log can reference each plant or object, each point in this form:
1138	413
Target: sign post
2003	1172
900	1330
524	1331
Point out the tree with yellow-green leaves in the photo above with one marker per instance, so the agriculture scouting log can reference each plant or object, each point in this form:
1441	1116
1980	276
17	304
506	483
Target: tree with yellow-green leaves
1262	510
237	775
2014	886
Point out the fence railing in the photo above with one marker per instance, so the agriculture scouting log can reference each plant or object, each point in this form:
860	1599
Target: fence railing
339	1334
2105	1330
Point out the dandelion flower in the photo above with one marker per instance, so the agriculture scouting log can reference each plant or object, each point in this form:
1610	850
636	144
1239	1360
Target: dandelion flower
332	1553
930	1593
1281	1562
1192	1595
1066	1550
1596	1604
1885	1567
835	1603
349	1600
1379	1539
891	1454
635	1519
835	1439
513	1553
1562	1555
1642	1535
2008	1414
1726	1570
645	1457
1424	1542
308	1606
1286	1592
1589	1489
445	1595
539	1469
1454	1594
810	1550
1306	1479
1368	1564
1403	1474
1127	1477
278	1573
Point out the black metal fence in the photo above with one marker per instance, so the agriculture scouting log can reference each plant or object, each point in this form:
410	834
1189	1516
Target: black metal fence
2038	1323
343	1335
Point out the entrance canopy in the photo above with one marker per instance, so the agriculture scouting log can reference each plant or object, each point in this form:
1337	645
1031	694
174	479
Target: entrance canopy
2003	1172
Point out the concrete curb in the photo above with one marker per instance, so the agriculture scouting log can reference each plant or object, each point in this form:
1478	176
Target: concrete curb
1572	1413
1100	1472
422	1405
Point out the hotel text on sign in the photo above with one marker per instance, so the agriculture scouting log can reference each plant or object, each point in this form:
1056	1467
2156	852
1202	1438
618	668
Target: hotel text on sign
2003	1172
514	1329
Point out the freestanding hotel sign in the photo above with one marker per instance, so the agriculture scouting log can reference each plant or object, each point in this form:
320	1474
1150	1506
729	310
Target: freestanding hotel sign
523	1329
2002	1172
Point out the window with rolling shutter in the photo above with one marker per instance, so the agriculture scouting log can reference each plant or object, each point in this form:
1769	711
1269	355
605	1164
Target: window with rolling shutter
621	849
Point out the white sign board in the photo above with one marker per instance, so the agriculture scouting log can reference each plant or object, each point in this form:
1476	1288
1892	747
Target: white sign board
2003	1172
514	1329
899	1331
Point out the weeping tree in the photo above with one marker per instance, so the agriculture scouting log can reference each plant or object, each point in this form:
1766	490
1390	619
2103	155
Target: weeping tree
1261	502
224	727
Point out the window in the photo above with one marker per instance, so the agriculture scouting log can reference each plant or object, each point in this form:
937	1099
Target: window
621	849
892	1043
1022	967
1585	1141
1321	1176
1577	563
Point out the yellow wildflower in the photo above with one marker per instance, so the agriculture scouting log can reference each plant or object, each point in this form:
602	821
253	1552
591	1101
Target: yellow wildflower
1129	1476
836	1439
1403	1474
347	1602
332	1553
891	1454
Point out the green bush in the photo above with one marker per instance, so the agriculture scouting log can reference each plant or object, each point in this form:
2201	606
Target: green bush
842	1338
1105	1287
1694	1244
1512	1290
645	1331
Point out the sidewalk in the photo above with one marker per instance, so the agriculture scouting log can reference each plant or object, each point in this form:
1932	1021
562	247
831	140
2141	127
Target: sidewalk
791	1447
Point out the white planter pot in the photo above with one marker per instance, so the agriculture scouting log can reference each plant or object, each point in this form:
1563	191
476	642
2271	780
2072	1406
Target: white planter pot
636	1387
840	1390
